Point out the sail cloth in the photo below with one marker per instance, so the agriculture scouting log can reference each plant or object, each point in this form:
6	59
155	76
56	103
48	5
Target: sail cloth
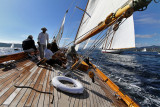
98	10
124	37
60	33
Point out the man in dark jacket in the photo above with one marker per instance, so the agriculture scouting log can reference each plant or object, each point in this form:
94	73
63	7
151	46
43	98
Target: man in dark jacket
28	45
54	47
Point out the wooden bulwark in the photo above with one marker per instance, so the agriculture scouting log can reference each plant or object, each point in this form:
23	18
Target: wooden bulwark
115	88
12	57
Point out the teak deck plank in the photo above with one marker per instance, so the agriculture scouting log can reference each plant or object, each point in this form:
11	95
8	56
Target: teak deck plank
6	86
39	78
40	86
41	100
14	72
55	93
4	73
32	94
12	89
17	99
8	80
51	97
26	95
46	99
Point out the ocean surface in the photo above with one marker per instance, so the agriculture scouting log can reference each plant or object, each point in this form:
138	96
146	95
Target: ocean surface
136	73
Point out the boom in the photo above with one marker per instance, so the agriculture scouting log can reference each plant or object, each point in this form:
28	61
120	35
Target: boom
124	12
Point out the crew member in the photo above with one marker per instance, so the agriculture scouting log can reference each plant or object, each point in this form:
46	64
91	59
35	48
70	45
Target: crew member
43	39
28	45
54	47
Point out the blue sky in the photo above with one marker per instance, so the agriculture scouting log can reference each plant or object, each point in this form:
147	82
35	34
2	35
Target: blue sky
20	18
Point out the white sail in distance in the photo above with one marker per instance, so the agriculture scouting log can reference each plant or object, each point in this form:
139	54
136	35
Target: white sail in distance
98	11
124	37
12	46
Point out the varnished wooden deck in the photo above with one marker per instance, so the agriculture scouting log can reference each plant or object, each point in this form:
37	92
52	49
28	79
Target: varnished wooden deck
26	73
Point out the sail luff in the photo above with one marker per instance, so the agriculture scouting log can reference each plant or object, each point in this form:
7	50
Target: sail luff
81	22
60	33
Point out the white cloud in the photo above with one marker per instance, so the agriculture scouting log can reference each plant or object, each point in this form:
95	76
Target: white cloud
145	36
142	44
147	20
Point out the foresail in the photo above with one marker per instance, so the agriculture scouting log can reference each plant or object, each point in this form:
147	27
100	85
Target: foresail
124	37
60	33
98	10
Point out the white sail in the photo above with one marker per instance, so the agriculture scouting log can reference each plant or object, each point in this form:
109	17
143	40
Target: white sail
60	33
98	11
124	37
12	46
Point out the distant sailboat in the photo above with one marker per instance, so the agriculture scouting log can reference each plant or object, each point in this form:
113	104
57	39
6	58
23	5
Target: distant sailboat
12	46
144	50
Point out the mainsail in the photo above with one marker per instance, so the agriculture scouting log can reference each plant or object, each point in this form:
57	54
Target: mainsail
98	11
124	37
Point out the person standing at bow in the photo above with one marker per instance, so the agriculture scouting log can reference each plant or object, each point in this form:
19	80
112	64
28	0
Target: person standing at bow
43	40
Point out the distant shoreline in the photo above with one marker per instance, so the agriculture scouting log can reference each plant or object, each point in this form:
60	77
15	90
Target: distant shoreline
9	44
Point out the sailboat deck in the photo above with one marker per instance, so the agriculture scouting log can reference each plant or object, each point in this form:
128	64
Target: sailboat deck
37	89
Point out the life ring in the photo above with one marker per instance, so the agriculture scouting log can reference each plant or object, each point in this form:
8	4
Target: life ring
78	89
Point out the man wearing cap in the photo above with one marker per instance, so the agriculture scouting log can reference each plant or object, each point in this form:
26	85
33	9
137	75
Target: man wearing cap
43	40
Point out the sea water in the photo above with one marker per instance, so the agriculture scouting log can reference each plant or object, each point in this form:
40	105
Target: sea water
8	51
136	73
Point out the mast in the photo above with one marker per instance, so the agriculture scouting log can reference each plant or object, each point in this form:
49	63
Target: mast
124	12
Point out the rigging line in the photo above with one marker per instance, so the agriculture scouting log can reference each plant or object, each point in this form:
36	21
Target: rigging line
93	29
93	49
71	16
112	39
83	11
98	44
81	36
107	36
92	45
70	23
113	31
104	35
106	27
71	4
54	34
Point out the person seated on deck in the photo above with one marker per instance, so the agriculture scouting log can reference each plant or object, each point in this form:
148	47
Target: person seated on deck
28	46
50	57
54	47
71	56
87	61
